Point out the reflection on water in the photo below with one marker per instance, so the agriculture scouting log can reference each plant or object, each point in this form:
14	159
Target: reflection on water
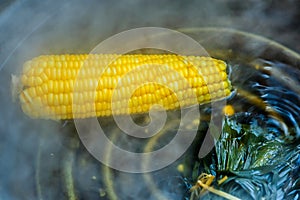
272	89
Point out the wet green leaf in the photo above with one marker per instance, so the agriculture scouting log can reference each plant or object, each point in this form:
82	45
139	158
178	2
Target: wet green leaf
257	163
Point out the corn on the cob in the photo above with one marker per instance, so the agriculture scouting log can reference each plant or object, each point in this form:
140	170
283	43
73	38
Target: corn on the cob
80	86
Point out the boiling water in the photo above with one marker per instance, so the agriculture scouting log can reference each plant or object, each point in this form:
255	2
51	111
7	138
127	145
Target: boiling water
266	93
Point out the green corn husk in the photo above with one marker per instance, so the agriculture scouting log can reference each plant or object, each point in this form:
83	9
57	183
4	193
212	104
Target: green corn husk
257	163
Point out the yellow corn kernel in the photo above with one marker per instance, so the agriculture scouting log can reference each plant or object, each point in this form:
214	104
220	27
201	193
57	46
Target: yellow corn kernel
228	110
80	86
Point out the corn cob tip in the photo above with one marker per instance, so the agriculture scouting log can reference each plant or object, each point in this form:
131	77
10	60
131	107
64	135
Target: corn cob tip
16	87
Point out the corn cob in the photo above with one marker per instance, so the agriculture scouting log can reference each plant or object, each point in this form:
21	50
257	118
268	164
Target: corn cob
81	86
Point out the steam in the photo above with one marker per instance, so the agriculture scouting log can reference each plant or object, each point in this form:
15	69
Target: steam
30	28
